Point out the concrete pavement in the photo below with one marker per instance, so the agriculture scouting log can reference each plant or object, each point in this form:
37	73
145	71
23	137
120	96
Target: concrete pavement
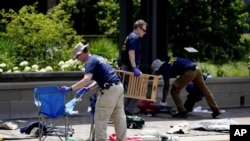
162	122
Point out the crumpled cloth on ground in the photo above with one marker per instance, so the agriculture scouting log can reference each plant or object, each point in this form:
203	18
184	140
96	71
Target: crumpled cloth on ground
9	126
150	135
181	128
214	125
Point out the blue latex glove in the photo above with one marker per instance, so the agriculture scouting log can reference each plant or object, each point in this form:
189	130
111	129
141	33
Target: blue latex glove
136	71
82	91
65	89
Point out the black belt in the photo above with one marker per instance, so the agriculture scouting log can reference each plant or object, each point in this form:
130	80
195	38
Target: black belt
108	85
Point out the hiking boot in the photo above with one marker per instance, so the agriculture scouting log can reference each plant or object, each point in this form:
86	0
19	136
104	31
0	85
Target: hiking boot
216	113
180	115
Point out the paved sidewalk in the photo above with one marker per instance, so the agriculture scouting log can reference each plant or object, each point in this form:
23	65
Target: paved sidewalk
162	123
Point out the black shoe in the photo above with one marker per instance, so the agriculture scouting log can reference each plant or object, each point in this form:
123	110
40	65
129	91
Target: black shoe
216	113
180	115
189	104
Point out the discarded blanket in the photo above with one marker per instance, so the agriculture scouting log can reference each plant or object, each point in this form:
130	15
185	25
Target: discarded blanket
214	125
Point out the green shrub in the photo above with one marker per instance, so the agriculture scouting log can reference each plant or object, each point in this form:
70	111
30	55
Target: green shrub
7	53
38	38
225	70
105	48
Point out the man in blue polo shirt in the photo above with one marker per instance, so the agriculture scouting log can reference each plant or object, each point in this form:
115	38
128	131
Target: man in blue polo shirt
187	71
110	100
130	58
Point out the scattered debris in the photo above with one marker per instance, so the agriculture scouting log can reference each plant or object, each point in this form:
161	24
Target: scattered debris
181	128
8	126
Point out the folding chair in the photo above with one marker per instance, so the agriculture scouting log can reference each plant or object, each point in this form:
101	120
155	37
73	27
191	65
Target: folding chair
51	110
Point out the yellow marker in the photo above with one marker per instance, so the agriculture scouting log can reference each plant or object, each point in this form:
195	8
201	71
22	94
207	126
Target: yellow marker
124	44
172	60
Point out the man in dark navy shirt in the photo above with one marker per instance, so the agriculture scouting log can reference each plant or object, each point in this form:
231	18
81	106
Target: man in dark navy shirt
130	57
131	49
187	71
110	100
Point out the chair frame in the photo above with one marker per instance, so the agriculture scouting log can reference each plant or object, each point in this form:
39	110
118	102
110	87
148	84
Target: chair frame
143	87
47	118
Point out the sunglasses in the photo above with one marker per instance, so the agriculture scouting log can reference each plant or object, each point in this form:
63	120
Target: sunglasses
144	30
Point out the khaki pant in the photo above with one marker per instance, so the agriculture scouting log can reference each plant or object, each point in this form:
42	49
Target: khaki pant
196	77
109	105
